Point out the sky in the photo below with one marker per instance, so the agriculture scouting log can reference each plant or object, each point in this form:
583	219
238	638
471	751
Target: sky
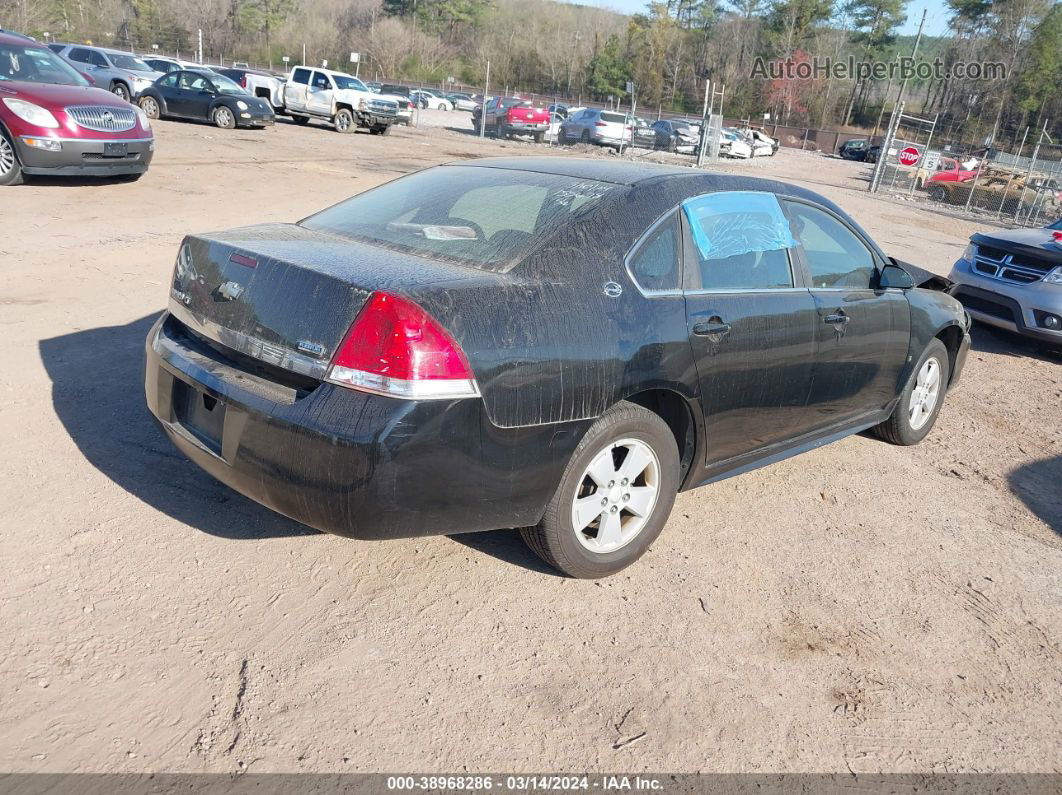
936	18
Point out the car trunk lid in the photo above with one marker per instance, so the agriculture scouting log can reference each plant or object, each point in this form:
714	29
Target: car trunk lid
287	295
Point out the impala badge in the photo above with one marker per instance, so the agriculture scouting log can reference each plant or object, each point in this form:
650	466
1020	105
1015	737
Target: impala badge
312	348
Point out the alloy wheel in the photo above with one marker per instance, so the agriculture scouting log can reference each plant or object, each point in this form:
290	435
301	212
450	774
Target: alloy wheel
223	117
616	495
150	107
120	91
7	157
925	394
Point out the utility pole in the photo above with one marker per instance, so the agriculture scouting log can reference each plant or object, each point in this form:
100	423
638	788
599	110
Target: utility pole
704	123
483	107
903	84
304	53
200	57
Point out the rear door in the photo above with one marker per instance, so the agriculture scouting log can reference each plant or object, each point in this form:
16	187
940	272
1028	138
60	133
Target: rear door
296	88
862	333
751	321
319	100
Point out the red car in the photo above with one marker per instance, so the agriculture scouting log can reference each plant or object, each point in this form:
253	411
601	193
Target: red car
53	121
950	170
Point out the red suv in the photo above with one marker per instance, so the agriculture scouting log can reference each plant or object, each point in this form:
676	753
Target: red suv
52	121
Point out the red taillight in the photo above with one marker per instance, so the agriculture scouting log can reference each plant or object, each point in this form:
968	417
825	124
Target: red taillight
601	124
395	348
243	81
243	259
1057	235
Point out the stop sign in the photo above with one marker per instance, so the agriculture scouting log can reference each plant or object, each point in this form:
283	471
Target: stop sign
909	156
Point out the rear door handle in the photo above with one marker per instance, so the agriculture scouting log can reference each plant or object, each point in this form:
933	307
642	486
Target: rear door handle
836	318
710	327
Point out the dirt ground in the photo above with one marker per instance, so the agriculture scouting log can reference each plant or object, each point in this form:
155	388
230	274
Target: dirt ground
860	608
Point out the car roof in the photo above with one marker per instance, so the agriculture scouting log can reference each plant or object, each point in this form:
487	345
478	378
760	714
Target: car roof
11	37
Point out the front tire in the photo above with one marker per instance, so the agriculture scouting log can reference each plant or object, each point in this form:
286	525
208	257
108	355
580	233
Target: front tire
614	497
920	402
120	90
10	168
344	121
224	118
300	119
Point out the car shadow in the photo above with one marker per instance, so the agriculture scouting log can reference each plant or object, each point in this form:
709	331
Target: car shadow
98	395
1037	485
989	339
507	546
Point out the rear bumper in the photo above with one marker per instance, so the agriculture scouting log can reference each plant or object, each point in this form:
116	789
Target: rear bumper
85	157
1019	308
351	463
526	128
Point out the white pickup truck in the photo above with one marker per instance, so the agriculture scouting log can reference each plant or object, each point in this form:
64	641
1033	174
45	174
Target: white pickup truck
341	99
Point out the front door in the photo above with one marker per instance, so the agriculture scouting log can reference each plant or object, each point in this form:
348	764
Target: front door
861	332
751	321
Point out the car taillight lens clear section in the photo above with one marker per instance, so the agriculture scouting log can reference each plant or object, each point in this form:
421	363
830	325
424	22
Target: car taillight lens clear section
397	349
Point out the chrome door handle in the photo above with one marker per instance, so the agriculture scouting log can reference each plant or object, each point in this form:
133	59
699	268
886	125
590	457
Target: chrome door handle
836	318
714	326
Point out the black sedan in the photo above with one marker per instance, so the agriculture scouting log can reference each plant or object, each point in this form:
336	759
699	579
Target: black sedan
554	344
855	149
204	96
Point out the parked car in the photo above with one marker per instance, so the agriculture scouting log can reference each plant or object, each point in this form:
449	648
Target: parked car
642	133
872	154
405	109
596	126
1013	280
432	100
205	96
733	144
945	169
54	122
164	65
258	84
508	116
121	73
428	356
341	99
855	149
762	144
462	101
675	135
394	90
373	86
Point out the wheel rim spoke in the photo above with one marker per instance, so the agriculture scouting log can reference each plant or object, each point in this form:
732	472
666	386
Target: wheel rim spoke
601	470
586	509
638	458
642	499
610	532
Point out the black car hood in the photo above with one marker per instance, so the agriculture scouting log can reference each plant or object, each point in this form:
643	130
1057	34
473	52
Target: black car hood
1038	243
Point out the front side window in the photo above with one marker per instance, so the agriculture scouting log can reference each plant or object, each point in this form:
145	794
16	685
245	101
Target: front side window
347	82
190	81
320	81
484	217
835	256
655	263
741	241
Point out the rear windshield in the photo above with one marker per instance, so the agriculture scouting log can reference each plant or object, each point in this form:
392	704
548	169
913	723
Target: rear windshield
129	62
613	117
485	217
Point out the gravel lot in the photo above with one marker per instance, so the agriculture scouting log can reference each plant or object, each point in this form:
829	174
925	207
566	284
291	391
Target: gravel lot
860	608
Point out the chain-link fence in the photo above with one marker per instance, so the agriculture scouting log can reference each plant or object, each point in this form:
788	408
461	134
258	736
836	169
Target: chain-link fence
1022	187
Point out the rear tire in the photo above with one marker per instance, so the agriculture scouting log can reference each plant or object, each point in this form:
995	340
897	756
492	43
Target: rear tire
10	168
939	194
619	485
539	137
150	106
380	129
919	405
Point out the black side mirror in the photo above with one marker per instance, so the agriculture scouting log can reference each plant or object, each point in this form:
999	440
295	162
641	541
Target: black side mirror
892	275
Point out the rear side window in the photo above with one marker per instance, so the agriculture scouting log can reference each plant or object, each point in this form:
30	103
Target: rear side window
80	55
835	256
485	217
169	81
655	263
741	241
301	76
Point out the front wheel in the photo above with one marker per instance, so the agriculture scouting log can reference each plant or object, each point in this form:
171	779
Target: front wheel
300	119
937	193
120	90
10	168
224	118
920	402
614	498
344	121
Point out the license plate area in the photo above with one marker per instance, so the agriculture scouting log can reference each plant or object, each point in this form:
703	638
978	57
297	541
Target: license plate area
201	414
115	149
